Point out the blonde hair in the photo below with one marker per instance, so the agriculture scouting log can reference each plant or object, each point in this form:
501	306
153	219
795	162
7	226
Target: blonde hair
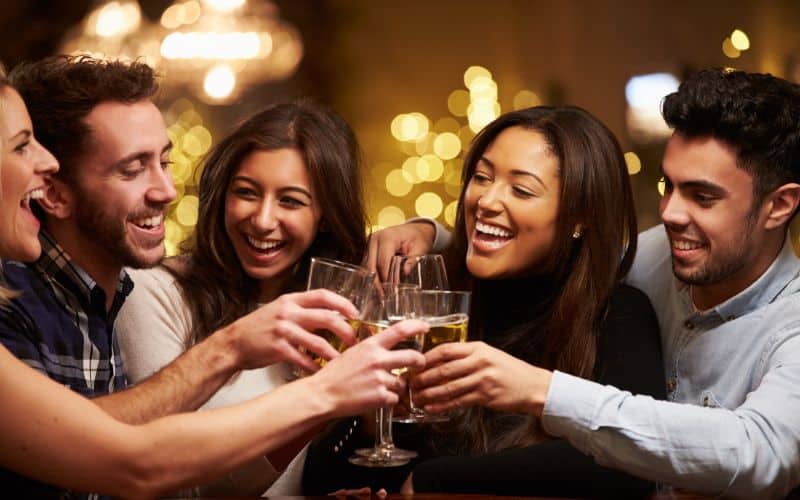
5	293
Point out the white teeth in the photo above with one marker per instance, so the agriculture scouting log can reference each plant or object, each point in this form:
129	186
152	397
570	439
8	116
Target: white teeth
33	194
263	245
493	230
685	245
154	221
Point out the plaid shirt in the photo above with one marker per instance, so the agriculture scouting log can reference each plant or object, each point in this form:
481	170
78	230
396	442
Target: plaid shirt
58	324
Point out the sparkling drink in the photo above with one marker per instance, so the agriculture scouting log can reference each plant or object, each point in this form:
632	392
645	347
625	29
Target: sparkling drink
451	328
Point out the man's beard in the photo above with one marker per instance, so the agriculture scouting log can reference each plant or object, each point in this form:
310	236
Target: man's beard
726	263
109	233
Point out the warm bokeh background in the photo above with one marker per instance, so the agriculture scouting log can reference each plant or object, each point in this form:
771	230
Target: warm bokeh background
378	61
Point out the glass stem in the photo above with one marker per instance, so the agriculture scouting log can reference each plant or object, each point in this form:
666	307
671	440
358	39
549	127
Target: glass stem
383	436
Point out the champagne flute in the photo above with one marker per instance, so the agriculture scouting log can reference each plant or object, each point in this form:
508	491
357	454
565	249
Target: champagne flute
428	272
392	303
355	283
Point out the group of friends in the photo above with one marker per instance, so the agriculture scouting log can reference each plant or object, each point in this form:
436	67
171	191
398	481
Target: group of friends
600	362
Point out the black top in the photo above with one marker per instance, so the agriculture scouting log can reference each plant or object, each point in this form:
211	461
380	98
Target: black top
629	358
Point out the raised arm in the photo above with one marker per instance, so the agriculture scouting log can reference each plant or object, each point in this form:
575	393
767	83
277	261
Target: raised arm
415	237
43	421
271	333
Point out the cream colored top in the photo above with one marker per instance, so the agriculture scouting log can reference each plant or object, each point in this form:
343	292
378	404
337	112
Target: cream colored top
153	328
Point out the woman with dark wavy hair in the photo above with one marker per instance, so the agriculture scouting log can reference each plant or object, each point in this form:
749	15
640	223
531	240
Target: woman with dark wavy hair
283	186
545	233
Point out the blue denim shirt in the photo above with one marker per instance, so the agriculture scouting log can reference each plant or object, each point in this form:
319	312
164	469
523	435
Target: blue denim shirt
732	422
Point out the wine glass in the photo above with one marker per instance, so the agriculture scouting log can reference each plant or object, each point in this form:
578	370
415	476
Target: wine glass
355	283
392	303
428	272
425	271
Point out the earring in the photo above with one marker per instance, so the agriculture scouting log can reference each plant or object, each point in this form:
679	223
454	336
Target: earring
576	235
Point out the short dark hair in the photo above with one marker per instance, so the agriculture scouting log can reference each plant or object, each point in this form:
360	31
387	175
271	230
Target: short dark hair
758	114
60	91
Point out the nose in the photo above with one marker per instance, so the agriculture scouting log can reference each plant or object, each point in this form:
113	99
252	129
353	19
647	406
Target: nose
44	161
265	217
674	210
490	201
162	188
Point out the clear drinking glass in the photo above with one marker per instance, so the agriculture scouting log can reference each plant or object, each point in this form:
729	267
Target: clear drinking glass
392	303
428	272
447	313
355	283
425	271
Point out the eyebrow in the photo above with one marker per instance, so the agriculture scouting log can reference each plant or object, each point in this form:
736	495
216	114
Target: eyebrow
25	133
139	155
698	184
516	171
294	189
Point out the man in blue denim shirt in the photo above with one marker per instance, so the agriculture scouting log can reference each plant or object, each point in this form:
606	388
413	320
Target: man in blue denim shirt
723	278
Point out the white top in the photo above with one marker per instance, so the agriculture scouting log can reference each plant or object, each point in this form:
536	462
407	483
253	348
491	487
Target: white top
154	327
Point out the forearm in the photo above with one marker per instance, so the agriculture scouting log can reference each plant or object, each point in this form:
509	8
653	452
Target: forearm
183	385
738	453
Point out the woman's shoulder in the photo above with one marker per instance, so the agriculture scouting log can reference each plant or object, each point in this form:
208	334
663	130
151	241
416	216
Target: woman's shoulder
629	311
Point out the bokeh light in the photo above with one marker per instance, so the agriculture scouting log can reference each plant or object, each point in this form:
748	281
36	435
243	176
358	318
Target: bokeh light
739	40
729	50
525	99
428	205
457	102
450	213
391	216
661	186
434	166
474	72
447	146
186	211
399	183
633	162
219	82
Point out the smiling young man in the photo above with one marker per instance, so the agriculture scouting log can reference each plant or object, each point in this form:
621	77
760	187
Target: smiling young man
104	210
724	280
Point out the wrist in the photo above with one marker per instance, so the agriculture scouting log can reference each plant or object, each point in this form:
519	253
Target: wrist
537	396
221	349
323	404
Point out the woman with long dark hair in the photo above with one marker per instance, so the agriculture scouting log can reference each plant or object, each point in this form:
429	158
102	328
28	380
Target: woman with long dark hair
545	232
283	186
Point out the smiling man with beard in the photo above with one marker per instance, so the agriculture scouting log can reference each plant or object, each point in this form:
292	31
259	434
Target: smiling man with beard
102	211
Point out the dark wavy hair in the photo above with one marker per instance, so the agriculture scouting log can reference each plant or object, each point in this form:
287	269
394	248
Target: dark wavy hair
581	273
210	274
755	113
60	91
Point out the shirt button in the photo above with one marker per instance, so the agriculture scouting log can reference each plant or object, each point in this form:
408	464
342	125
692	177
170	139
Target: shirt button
671	385
688	324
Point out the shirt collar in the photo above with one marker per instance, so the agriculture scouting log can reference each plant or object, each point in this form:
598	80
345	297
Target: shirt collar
55	261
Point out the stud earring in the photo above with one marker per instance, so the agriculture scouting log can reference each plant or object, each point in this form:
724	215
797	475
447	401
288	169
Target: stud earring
576	235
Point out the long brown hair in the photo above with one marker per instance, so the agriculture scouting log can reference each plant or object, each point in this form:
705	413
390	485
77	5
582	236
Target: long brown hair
581	272
210	274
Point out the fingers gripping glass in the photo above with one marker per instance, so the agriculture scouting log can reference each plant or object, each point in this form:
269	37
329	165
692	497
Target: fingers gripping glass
391	303
355	283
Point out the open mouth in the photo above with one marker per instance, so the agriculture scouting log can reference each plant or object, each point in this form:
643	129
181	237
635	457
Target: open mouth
491	236
685	245
265	246
33	194
148	223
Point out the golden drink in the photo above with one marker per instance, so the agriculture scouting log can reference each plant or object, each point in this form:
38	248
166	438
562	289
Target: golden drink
452	328
333	340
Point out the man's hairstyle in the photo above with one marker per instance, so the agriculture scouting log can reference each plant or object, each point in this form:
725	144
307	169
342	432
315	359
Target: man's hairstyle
60	91
758	114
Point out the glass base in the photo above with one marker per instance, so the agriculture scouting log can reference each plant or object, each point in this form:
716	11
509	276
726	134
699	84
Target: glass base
391	453
371	457
420	418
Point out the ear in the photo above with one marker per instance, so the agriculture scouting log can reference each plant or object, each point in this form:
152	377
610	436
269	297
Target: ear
781	205
58	200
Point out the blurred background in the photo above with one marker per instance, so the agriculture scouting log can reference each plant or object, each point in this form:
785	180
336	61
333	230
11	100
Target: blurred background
416	79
